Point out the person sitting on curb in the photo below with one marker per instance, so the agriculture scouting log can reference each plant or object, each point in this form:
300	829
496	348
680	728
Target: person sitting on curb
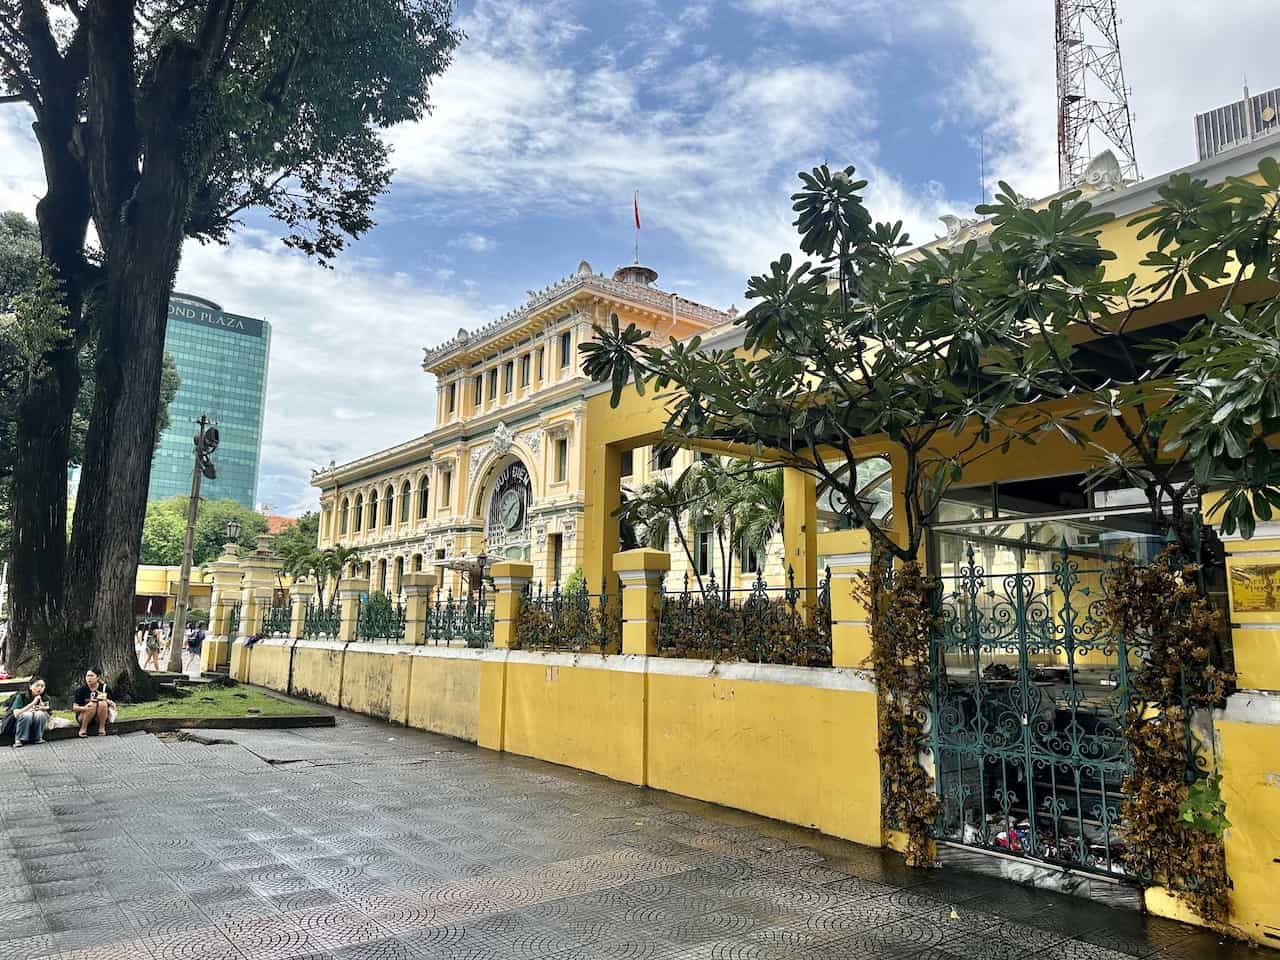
92	704
30	713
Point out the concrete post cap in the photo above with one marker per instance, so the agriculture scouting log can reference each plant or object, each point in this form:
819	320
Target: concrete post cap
511	570
353	586
418	581
643	559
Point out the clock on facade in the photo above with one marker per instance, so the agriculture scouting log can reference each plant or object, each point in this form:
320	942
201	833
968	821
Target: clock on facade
511	509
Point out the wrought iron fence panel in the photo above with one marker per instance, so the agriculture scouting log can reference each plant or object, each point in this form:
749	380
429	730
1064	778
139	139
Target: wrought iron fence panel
570	620
467	619
276	620
758	624
1031	697
233	621
380	621
321	621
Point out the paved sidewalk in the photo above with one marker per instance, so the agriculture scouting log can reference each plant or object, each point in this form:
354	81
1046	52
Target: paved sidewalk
369	841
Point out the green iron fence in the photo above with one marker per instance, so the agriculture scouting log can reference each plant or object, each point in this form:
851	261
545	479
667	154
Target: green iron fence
1031	696
276	620
467	619
757	624
321	621
380	620
233	621
570	620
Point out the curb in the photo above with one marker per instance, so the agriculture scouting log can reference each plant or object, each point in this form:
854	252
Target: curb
173	724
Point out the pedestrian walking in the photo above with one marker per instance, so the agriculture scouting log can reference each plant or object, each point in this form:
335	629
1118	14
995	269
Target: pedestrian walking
153	647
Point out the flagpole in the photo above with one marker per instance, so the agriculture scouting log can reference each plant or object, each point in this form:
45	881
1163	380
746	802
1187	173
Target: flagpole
636	209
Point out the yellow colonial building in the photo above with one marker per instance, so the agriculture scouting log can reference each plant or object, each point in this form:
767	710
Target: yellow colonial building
527	464
500	476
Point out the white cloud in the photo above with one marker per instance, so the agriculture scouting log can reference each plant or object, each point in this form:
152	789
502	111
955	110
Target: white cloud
475	242
21	175
1181	58
345	376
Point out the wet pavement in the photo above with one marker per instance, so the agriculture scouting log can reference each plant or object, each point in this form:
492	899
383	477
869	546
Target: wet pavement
369	841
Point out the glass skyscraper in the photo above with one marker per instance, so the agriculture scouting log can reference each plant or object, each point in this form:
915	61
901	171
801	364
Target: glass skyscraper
222	360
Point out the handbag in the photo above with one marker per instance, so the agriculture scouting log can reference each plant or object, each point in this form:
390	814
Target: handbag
8	724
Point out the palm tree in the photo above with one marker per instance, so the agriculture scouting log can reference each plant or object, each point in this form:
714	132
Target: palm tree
659	505
759	508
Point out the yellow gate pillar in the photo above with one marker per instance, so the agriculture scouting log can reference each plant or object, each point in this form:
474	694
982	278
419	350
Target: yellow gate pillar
300	595
848	555
259	570
800	530
216	652
417	589
602	497
510	579
641	574
1248	733
349	592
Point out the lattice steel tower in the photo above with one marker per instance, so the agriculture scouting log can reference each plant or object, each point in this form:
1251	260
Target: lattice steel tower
1093	101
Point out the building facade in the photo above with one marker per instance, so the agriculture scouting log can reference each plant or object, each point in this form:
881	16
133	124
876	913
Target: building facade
1226	127
500	474
222	359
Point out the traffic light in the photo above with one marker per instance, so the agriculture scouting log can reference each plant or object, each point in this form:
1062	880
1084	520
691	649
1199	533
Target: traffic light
206	442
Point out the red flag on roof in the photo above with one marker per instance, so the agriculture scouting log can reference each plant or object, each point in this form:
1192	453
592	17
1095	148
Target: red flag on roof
636	204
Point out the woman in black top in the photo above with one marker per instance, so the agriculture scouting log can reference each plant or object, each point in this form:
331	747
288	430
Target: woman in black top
92	704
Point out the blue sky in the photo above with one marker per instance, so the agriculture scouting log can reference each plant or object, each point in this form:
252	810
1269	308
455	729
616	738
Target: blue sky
554	112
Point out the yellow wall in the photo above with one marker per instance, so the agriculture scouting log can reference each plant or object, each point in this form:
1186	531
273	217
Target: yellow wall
787	750
589	716
375	681
269	664
317	672
1250	762
444	693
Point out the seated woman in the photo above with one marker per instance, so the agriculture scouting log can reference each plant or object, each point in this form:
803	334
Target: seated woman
92	704
30	713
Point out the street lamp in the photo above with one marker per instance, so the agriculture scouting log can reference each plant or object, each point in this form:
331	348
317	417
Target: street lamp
233	531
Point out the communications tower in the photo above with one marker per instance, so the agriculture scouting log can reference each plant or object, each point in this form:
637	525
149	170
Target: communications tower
1093	101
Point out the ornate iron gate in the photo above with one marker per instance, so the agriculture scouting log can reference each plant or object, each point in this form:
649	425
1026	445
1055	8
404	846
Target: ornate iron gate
1031	693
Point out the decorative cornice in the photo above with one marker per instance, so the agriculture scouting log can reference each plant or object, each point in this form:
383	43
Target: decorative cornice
566	288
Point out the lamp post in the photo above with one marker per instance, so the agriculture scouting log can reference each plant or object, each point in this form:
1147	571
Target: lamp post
233	530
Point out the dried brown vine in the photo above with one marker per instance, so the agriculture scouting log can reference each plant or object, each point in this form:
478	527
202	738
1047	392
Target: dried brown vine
902	619
1158	608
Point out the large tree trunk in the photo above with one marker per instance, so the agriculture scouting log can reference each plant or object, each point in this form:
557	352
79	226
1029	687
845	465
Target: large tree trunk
107	532
38	494
39	505
144	154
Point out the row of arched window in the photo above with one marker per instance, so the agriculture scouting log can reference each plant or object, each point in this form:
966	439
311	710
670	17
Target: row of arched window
386	576
359	514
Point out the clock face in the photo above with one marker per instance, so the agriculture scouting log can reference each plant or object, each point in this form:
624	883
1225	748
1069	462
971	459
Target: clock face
511	509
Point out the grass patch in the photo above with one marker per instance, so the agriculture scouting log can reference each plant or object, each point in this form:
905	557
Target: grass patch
209	701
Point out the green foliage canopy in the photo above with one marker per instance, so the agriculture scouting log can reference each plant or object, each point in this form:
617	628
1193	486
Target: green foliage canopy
163	531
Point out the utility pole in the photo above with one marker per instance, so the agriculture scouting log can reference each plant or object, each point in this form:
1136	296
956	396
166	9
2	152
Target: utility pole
206	441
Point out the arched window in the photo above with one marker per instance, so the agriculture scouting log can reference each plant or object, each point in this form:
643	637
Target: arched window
359	511
417	563
424	494
373	510
399	584
405	502
382	576
342	526
388	513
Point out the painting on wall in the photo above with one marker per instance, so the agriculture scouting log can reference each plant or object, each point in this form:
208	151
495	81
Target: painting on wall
1255	588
